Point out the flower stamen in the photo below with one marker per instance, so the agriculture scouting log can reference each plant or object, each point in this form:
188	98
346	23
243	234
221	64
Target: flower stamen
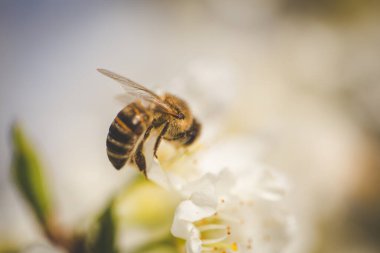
221	247
212	227
214	240
214	233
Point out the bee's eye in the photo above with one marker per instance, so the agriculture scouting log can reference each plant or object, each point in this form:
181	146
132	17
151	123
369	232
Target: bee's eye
193	134
180	115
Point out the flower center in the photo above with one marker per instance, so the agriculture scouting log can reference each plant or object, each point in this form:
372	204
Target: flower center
215	234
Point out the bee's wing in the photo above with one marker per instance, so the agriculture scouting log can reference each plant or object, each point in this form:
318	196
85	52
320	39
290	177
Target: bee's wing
140	91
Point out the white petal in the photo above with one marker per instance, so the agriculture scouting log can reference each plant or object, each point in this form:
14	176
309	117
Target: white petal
224	181
189	211
210	184
181	228
154	170
194	244
205	199
236	152
263	183
157	175
186	213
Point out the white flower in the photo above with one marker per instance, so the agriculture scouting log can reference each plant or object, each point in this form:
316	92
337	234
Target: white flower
230	201
215	217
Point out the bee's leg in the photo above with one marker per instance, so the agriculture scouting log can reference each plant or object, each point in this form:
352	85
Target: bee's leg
163	132
138	156
139	159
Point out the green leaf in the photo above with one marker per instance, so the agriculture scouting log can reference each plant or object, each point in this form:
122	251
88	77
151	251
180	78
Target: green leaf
28	175
103	240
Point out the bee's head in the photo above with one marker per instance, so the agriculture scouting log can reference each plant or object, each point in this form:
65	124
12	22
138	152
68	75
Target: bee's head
180	107
193	133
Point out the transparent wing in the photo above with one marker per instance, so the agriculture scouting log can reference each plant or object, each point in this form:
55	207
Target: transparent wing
140	91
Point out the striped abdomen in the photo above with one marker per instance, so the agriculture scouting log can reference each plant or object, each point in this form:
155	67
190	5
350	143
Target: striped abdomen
124	133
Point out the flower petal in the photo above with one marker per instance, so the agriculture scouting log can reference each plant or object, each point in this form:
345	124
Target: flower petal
186	213
194	245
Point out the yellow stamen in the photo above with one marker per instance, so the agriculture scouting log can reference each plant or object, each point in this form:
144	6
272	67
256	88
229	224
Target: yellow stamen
234	246
220	247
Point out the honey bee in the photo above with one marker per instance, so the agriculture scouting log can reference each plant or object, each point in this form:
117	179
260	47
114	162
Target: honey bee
170	115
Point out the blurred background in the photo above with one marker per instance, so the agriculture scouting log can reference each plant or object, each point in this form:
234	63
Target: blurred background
302	76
